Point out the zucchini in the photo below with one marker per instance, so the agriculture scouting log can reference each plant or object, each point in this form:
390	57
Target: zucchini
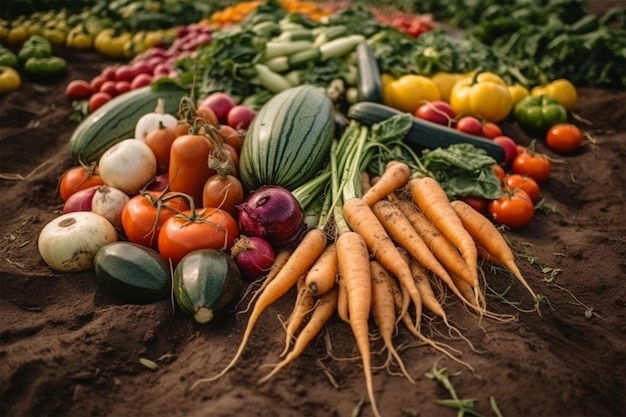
134	273
369	85
116	120
423	134
206	284
289	139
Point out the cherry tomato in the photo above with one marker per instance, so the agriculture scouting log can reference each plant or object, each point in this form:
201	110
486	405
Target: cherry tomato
499	172
78	90
97	100
514	182
223	191
232	136
491	130
479	204
160	141
470	125
532	164
78	178
564	138
144	215
207	115
514	209
207	228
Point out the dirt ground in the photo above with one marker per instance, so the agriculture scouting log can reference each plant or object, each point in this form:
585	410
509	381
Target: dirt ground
67	348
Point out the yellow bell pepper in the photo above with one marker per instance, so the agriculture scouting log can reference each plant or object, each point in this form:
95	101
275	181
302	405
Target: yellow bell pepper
562	90
517	92
408	91
484	95
445	81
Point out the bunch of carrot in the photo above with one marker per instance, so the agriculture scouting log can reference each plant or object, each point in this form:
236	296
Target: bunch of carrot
375	253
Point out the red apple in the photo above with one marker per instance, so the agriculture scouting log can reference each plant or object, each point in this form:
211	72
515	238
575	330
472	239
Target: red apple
470	125
220	103
438	112
509	146
240	117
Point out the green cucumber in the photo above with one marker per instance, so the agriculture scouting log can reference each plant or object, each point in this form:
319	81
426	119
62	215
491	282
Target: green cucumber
289	139
116	120
423	134
134	273
206	284
369	85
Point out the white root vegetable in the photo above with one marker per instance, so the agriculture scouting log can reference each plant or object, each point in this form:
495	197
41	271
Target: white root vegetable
69	242
109	203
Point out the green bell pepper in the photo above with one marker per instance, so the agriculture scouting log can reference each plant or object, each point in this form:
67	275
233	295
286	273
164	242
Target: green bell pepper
34	50
538	114
45	68
8	58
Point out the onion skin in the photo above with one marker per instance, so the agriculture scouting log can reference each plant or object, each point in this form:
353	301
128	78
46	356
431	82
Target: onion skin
254	256
80	200
273	213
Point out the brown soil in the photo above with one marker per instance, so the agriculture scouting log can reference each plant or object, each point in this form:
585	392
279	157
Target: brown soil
67	348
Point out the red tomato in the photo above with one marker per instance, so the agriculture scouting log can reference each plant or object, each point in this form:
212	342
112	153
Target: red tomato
532	164
514	209
509	146
109	87
78	178
564	138
78	90
207	228
97	100
232	137
499	172
491	130
479	204
223	191
144	215
514	182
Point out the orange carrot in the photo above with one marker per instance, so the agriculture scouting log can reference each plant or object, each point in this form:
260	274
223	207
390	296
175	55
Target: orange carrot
485	256
434	203
365	182
383	310
439	245
302	307
325	307
353	257
415	331
395	175
342	299
304	255
362	220
323	275
402	231
486	234
420	275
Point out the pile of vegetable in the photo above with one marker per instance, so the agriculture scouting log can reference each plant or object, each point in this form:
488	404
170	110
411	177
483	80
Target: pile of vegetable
314	156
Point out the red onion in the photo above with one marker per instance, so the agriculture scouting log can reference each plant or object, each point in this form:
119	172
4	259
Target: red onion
254	256
80	200
273	213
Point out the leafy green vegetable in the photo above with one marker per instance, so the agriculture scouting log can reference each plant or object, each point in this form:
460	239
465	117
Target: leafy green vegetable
462	170
543	39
